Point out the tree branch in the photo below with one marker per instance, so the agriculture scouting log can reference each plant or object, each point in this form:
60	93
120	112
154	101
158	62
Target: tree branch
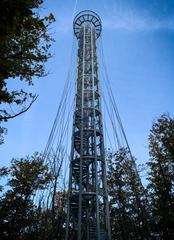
19	113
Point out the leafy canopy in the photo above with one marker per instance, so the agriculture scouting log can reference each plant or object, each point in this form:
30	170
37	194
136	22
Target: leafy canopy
24	49
161	175
18	214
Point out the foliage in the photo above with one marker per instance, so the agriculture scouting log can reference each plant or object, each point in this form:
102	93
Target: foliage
18	215
161	176
28	174
127	195
24	48
3	172
52	226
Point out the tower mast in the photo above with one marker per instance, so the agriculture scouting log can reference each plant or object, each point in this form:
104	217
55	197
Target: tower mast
87	210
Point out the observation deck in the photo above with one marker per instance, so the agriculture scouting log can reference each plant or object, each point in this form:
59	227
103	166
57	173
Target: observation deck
87	17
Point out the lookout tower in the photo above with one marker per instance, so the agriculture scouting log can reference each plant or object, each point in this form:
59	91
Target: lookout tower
87	210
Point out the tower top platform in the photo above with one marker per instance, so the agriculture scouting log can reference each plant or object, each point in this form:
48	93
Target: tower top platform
87	16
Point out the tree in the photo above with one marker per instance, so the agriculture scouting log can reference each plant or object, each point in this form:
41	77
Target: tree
128	203
52	214
3	173
161	176
24	49
18	214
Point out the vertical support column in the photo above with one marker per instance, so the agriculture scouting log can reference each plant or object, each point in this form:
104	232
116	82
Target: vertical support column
96	164
81	144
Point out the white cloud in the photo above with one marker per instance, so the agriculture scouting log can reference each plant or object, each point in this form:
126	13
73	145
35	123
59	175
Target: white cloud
128	20
131	21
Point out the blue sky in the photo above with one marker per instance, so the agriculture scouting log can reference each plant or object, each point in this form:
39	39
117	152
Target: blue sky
138	41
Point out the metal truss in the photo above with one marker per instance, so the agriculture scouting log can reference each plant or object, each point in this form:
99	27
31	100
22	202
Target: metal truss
87	209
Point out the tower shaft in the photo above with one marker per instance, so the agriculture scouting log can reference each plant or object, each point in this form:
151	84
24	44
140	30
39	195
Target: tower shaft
88	211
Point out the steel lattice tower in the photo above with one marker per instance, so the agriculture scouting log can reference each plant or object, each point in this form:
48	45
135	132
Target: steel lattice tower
87	210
